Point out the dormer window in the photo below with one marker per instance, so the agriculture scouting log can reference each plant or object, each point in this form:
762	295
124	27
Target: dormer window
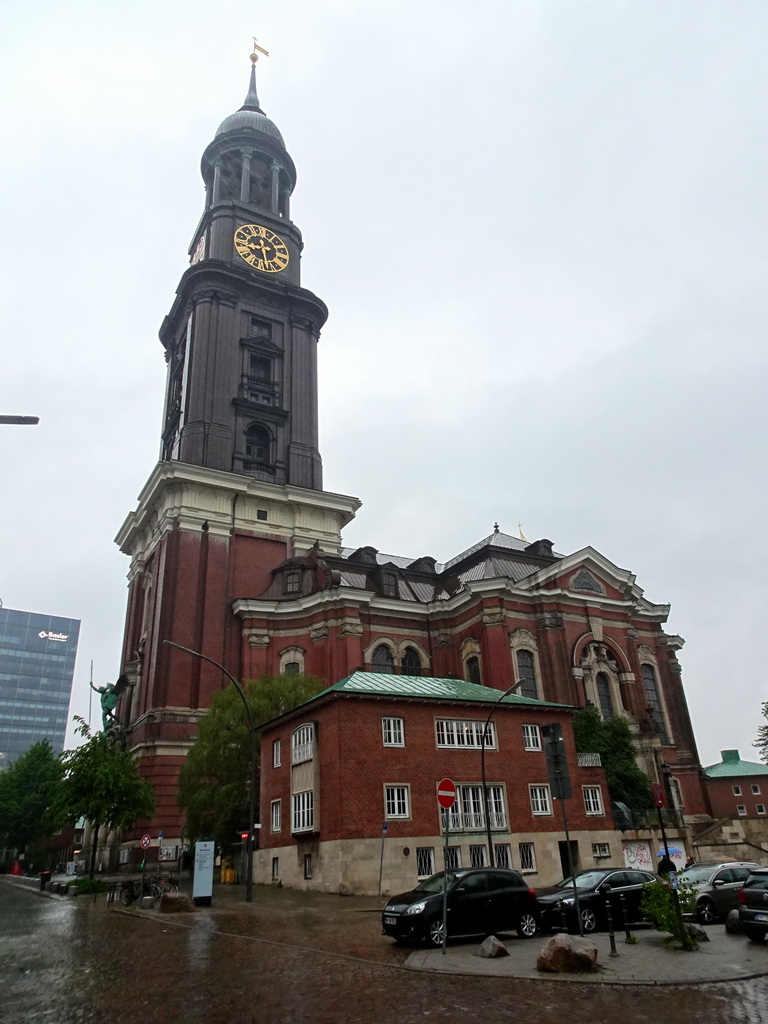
292	583
388	584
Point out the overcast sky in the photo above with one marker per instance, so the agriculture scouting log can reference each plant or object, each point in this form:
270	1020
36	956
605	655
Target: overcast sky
540	228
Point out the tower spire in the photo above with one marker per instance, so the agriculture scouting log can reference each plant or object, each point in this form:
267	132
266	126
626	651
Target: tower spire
252	99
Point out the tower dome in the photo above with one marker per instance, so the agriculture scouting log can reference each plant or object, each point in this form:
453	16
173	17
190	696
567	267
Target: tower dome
250	117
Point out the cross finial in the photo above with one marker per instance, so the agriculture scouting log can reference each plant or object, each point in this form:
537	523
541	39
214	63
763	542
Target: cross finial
254	55
495	527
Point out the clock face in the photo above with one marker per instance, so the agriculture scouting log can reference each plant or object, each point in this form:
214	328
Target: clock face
261	248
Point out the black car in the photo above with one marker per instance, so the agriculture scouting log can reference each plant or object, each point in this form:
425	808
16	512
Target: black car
595	887
753	905
481	901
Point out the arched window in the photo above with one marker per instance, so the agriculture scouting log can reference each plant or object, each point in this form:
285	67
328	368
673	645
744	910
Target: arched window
526	676
382	660
472	668
292	668
652	697
411	662
258	445
603	686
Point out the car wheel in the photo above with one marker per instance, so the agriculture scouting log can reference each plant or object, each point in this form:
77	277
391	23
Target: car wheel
706	911
527	925
754	934
588	920
435	932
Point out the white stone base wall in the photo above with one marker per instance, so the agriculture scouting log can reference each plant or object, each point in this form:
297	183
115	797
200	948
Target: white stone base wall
351	866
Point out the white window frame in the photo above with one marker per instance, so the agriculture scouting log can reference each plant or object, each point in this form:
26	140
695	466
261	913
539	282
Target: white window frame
303	808
541	799
478	856
393	732
600	850
275	815
527	854
425	861
531	737
741	810
755	789
302	743
277	755
464	734
397	801
736	790
760	808
593	799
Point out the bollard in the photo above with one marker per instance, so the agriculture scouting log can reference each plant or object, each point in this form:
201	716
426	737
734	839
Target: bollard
563	918
627	932
609	919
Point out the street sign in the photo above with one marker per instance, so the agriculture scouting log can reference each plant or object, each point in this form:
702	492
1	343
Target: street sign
446	793
161	835
145	841
658	795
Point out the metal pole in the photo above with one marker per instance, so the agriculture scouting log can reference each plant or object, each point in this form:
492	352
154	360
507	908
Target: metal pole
486	804
381	858
446	819
254	752
675	898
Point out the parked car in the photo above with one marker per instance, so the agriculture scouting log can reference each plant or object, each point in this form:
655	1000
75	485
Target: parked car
753	905
717	886
481	901
595	888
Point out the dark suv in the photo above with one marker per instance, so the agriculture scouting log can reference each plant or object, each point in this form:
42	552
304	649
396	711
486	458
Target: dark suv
481	901
753	905
717	886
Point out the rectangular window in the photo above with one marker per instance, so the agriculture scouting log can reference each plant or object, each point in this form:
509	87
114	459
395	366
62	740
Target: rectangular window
477	856
425	861
755	790
601	850
275	869
593	799
527	857
502	856
742	810
392	732
396	804
453	858
276	754
531	737
301	744
468	813
736	790
275	815
307	865
303	811
540	800
456	732
760	808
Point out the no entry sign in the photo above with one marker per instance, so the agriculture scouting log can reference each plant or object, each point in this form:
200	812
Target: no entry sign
145	841
446	793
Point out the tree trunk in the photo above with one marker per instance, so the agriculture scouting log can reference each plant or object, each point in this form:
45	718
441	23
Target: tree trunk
93	849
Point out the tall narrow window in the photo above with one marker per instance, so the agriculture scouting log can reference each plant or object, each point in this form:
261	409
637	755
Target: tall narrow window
425	861
396	802
303	811
411	662
301	744
382	660
392	732
473	670
527	857
502	856
603	686
258	445
653	697
477	856
526	675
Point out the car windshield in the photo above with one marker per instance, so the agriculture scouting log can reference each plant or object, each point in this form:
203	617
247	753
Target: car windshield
435	883
584	880
698	873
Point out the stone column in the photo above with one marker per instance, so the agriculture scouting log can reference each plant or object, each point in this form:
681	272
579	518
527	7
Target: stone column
275	186
217	179
245	176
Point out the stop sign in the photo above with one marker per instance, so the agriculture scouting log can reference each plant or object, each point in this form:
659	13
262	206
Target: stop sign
446	793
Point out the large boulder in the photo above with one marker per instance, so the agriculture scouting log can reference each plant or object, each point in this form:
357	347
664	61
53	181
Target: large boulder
491	947
176	903
696	932
733	923
567	954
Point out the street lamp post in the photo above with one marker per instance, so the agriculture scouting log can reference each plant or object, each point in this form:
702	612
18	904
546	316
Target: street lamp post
254	752
486	803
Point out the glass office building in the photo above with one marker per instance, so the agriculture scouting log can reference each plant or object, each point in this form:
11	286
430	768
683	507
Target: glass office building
37	663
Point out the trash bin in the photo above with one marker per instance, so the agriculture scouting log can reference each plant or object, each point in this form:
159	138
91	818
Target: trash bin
45	877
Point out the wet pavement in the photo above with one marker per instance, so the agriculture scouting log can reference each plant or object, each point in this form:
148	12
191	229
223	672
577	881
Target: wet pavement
300	957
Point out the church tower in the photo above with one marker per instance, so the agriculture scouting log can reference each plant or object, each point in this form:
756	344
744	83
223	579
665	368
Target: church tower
238	488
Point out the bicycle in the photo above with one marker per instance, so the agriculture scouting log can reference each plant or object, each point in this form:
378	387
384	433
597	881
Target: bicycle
134	889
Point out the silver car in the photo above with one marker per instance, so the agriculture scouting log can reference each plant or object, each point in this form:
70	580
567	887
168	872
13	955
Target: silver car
717	886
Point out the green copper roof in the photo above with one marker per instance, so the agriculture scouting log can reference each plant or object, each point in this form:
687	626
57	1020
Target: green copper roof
732	767
384	684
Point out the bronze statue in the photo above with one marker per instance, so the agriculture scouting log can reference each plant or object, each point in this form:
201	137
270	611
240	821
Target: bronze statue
110	695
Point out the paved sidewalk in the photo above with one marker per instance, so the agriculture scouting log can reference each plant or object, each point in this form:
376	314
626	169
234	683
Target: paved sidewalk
648	962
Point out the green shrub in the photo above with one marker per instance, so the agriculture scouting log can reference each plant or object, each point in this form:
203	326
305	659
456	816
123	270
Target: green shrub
658	906
87	886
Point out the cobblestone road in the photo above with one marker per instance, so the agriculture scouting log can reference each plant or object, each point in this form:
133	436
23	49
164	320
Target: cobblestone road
65	961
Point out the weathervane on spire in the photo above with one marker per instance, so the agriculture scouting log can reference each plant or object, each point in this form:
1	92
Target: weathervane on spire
254	55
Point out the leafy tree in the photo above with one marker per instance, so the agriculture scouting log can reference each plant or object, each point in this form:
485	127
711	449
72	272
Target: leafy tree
214	779
102	784
762	736
28	796
612	740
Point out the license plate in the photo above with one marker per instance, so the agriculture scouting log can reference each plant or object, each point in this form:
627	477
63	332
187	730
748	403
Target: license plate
761	917
390	920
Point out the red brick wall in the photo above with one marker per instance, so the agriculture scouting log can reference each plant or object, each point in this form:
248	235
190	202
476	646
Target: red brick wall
725	802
